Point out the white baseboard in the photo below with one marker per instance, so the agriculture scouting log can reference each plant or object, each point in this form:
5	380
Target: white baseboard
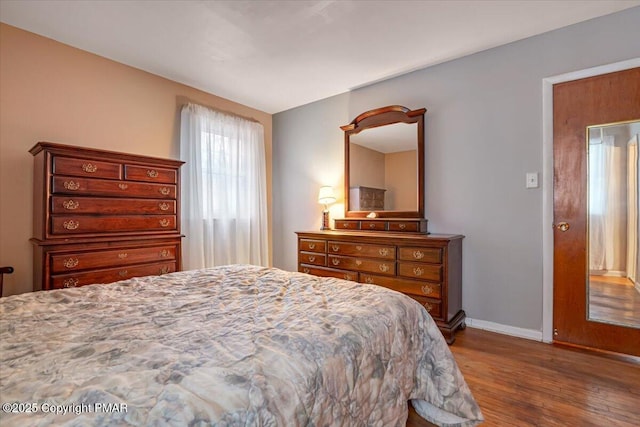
529	334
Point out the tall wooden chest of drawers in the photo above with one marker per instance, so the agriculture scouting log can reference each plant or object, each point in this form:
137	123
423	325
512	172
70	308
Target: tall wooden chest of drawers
102	216
426	267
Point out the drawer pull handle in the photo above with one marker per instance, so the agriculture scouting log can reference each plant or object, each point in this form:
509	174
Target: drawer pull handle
123	255
123	186
427	289
418	271
89	167
428	306
372	225
358	262
418	254
165	253
70	262
335	248
164	222
71	224
347	277
369	280
71	185
402	226
70	283
384	268
306	270
335	261
358	248
123	273
312	245
163	206
164	191
70	204
383	251
164	270
152	173
346	225
312	258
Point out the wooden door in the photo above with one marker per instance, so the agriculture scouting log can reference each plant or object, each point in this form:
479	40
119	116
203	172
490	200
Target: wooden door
577	104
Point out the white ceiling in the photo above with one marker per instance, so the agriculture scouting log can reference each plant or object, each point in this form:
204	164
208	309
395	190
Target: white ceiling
276	55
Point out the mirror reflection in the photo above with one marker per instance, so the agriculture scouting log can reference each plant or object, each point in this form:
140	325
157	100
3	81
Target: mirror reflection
614	262
383	164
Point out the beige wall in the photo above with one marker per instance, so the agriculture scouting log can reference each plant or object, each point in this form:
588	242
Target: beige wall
53	92
401	180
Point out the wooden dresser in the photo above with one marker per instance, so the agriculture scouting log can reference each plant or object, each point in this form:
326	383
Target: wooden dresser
102	216
427	267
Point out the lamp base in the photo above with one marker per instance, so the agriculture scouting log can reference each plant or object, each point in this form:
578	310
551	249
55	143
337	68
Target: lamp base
325	221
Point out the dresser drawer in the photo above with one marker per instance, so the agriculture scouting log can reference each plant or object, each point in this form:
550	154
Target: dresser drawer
63	225
312	245
362	264
110	258
408	226
373	225
434	307
88	168
407	286
103	187
150	174
420	271
329	272
111	275
98	205
432	255
312	258
346	225
364	250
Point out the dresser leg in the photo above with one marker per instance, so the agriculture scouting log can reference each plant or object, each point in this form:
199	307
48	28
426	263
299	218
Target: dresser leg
449	329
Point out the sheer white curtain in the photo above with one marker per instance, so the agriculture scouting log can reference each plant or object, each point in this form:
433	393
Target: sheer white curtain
604	208
224	196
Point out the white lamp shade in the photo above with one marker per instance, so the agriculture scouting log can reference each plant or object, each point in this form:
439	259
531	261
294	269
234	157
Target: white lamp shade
326	196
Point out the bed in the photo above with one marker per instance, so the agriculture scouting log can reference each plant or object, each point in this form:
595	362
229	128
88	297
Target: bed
237	345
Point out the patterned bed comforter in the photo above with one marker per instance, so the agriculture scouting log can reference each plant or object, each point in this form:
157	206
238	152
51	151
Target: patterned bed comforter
226	346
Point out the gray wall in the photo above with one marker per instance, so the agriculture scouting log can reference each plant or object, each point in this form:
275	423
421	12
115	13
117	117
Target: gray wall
483	133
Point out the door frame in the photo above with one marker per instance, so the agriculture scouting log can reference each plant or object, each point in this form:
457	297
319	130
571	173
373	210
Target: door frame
547	180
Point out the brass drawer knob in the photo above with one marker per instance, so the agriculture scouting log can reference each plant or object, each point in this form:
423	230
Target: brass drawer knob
358	262
123	255
402	226
164	270
70	262
123	186
335	248
372	225
70	283
164	222
418	271
358	248
347	277
165	253
384	268
384	251
369	280
418	254
71	224
428	306
89	167
312	258
427	289
312	245
152	173
164	191
70	204
71	185
164	206
335	261
123	273
306	270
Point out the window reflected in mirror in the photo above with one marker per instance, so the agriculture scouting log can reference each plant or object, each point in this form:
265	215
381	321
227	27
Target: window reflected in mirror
613	223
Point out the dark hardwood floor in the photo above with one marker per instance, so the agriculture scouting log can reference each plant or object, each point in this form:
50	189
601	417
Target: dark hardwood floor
519	382
614	299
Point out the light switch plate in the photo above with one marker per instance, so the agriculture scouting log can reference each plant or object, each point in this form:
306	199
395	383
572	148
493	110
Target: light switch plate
532	180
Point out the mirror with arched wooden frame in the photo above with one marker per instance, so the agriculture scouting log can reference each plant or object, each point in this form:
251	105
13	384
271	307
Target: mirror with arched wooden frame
385	136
